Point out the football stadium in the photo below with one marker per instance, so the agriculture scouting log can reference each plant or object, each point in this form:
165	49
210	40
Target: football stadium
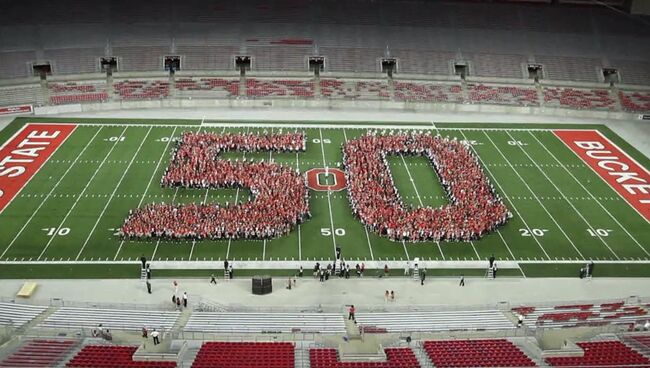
288	184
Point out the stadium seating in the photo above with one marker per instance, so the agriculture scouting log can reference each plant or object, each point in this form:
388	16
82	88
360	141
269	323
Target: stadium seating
602	353
245	355
354	89
39	353
19	314
635	101
266	322
592	99
141	89
580	315
112	356
395	358
207	87
71	92
113	319
21	94
279	88
503	95
436	320
427	92
476	353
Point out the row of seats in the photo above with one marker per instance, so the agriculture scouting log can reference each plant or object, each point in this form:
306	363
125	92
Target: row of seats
395	358
279	88
112	319
428	92
635	101
476	353
436	320
503	95
142	89
112	356
329	323
207	88
245	355
602	353
580	314
576	98
19	314
39	353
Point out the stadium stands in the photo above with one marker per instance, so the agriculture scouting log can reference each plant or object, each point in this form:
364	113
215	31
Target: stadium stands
570	68
245	355
503	95
395	358
15	64
141	89
19	314
207	87
602	353
428	92
39	353
113	319
580	315
71	92
476	353
279	88
502	66
75	60
21	94
635	101
112	356
436	320
266	322
578	98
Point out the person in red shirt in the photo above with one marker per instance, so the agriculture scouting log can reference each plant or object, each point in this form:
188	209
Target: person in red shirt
351	311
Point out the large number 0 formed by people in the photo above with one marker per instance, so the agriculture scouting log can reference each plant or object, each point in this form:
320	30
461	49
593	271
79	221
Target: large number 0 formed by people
281	197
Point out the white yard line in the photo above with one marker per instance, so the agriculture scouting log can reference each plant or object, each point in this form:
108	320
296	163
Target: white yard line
329	202
144	194
92	231
536	198
236	199
81	194
365	228
565	197
589	192
54	187
270	160
299	238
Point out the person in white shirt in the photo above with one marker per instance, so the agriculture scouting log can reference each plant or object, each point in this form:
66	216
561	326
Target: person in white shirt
155	335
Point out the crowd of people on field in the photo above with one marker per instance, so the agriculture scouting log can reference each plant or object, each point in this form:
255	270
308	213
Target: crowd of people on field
280	199
474	207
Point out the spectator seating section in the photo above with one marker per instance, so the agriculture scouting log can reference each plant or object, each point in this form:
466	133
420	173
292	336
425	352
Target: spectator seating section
279	88
640	343
71	92
428	92
354	89
245	355
602	353
581	315
141	89
436	320
112	319
395	358
19	314
476	353
112	356
207	87
265	322
22	94
39	353
584	99
503	95
635	101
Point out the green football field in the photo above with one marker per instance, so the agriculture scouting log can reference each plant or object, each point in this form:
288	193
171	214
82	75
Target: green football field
563	212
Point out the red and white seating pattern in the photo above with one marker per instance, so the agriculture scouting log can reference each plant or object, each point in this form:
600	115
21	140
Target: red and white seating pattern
476	353
428	92
112	356
279	88
245	355
354	89
142	89
602	353
581	315
635	101
71	92
39	353
584	99
503	95
395	358
207	87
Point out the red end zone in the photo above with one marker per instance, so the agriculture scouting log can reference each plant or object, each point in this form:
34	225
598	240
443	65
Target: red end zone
24	154
620	171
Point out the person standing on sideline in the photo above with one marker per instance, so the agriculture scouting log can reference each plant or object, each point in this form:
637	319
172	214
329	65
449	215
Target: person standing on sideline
386	296
213	280
155	335
423	275
178	302
491	260
185	299
520	320
386	270
300	272
143	259
145	333
148	287
351	311
392	296
225	266
231	272
494	270
462	280
407	269
175	285
148	271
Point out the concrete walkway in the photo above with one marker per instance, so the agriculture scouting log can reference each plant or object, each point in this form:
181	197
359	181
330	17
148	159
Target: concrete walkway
365	292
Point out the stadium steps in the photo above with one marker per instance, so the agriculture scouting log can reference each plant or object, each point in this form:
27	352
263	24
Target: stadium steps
193	347
40	318
530	349
421	356
352	330
182	320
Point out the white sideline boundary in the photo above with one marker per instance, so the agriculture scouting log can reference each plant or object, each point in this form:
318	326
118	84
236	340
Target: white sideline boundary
329	193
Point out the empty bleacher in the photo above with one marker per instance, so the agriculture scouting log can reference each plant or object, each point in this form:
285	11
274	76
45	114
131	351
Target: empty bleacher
602	353
570	68
502	95
141	89
39	353
395	358
16	64
19	314
419	91
75	60
635	101
113	319
273	88
476	353
436	320
112	356
206	88
72	92
328	323
578	98
245	355
21	94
